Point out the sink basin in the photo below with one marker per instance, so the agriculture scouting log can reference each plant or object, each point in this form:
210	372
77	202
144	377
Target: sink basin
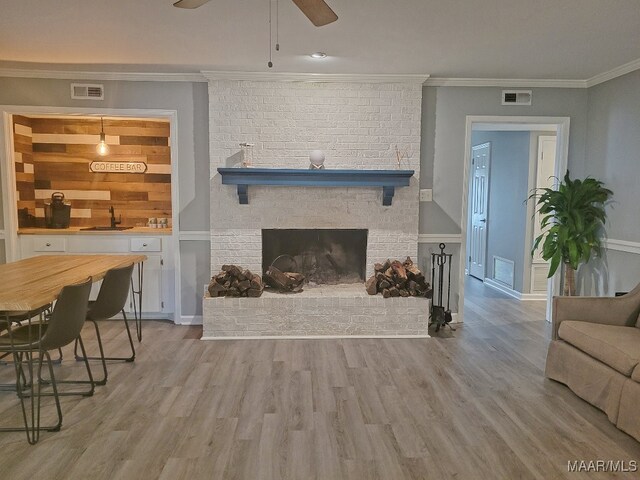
105	229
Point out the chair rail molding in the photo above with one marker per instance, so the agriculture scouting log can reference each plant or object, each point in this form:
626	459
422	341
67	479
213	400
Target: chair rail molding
439	238
621	245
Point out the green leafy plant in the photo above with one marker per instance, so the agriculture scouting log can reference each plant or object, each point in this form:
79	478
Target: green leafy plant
571	219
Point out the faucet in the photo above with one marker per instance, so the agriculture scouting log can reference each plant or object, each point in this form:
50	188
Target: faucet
114	223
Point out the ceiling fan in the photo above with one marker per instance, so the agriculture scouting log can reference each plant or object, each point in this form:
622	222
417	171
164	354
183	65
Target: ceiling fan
317	11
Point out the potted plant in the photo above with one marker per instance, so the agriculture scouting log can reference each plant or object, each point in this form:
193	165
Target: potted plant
571	219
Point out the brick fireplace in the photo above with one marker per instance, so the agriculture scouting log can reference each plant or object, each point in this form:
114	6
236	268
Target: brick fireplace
358	125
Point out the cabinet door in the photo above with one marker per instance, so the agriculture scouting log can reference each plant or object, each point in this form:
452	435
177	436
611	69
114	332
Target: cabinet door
152	301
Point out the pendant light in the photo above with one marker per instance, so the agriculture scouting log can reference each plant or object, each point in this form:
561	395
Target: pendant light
102	148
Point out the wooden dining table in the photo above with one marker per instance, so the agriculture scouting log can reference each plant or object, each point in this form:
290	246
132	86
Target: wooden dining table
32	283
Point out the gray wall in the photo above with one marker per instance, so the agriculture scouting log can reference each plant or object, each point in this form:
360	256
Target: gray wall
190	100
507	212
444	121
443	143
613	156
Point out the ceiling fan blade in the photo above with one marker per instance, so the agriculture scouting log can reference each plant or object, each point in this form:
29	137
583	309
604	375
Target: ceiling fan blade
189	3
317	11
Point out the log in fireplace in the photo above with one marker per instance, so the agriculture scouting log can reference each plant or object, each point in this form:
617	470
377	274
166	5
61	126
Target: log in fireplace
323	256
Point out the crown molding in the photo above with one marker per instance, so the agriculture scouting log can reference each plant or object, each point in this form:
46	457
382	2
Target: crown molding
88	75
504	82
614	73
315	77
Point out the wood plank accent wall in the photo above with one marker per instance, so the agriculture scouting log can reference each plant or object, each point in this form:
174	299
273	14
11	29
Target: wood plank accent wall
63	148
24	167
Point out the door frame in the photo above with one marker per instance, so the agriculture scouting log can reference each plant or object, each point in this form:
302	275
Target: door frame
7	171
486	225
562	125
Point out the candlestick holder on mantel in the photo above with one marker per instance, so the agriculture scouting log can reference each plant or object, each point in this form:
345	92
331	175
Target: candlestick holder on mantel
387	179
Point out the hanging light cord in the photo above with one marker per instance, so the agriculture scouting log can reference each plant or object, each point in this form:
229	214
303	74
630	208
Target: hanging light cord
270	64
277	25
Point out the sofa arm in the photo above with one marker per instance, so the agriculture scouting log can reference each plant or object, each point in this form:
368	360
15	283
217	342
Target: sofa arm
622	311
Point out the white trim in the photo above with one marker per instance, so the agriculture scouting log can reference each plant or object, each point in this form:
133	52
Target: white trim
195	235
504	82
614	73
8	183
513	127
621	245
489	282
190	320
314	77
175	216
90	75
439	238
533	297
311	337
514	293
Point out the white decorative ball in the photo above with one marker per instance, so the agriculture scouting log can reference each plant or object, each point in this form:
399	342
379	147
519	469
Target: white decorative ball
317	157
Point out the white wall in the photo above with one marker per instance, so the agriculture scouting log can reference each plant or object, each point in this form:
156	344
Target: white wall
358	125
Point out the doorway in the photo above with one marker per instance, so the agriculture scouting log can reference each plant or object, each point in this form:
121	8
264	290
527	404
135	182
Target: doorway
499	227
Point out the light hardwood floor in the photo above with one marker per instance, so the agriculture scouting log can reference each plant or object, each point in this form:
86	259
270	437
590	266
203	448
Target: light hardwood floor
472	404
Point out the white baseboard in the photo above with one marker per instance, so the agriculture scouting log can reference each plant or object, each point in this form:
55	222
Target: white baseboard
190	320
313	337
534	296
514	293
489	282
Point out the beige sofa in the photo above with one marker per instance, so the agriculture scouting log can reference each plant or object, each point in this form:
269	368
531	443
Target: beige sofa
595	351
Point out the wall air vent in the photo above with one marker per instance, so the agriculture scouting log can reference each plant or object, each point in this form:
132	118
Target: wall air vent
87	91
516	97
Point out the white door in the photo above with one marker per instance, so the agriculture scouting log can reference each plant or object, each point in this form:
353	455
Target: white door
479	196
544	179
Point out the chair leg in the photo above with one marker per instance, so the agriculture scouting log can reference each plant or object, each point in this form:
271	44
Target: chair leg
84	393
131	346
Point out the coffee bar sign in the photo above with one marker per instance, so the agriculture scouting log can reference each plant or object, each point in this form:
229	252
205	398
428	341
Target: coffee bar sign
117	167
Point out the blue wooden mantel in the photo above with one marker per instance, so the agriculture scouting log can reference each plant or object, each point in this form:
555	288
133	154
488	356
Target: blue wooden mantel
387	179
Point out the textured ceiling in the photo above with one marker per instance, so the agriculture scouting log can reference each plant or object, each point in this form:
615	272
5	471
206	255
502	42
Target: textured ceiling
567	39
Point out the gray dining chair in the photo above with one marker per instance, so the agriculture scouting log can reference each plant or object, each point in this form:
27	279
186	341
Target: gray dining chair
111	301
25	341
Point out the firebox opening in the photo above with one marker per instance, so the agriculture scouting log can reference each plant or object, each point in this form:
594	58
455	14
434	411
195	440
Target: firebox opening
323	256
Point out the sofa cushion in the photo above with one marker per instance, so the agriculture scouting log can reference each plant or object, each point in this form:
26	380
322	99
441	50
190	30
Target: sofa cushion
636	374
617	347
638	321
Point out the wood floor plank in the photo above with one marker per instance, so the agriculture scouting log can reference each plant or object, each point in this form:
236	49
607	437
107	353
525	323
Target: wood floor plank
471	404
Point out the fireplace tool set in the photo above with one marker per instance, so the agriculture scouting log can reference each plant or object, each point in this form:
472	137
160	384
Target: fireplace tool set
439	316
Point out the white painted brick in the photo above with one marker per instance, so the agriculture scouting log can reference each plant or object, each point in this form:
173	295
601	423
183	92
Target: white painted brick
357	126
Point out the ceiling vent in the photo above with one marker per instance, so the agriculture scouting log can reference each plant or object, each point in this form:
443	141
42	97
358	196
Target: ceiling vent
516	97
87	91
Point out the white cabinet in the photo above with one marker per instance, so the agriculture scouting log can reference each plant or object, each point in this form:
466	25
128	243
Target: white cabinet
157	296
152	293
